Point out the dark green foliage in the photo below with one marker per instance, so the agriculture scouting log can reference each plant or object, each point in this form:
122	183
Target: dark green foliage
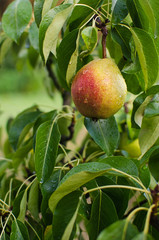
63	175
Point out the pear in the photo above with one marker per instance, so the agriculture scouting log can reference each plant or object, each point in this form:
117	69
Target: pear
131	147
99	89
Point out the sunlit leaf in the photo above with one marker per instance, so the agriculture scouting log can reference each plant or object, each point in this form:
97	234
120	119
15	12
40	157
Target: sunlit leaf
50	27
48	4
72	66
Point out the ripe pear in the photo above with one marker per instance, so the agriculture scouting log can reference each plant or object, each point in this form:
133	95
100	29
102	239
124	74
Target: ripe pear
98	89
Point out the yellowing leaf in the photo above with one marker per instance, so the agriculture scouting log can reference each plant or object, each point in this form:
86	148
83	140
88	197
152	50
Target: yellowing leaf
50	28
149	133
72	66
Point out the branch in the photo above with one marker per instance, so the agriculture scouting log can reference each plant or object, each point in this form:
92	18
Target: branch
51	74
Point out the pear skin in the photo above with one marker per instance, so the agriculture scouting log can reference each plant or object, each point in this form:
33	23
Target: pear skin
99	89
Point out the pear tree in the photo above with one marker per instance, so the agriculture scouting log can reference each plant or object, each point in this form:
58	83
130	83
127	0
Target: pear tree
89	169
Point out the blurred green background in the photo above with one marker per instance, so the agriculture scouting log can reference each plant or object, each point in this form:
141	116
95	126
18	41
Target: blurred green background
24	84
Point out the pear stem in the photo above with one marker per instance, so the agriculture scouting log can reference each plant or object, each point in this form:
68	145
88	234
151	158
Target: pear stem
104	32
102	27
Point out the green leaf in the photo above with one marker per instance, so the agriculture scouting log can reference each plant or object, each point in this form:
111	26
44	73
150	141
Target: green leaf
33	200
43	118
80	175
140	111
38	6
23	203
121	163
137	14
34	36
103	213
139	100
132	67
104	132
67	48
90	37
16	18
47	188
122	35
144	175
115	194
147	155
19	231
148	7
5	236
22	152
72	66
116	231
147	56
82	14
48	4
119	12
154	164
133	82
16	233
149	133
16	203
47	140
3	166
50	27
4	48
65	215
142	236
75	178
33	57
114	49
152	108
21	125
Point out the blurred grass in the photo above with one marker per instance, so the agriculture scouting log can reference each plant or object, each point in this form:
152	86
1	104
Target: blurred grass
22	89
23	85
13	103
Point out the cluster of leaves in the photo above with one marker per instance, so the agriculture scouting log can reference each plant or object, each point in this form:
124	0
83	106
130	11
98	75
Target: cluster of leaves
57	192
